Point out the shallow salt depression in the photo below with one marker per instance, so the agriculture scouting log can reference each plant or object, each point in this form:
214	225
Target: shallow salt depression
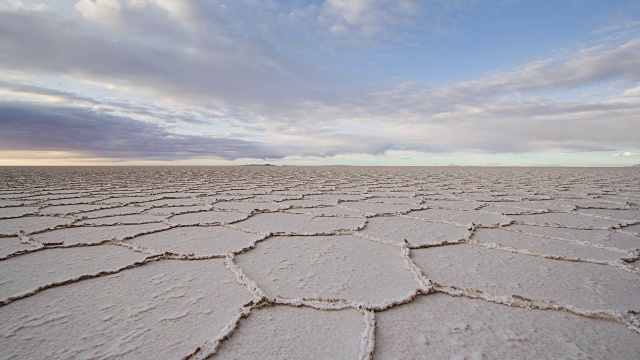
319	262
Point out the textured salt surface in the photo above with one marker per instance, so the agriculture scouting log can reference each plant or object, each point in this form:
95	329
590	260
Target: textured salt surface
540	245
94	234
202	241
59	265
444	327
298	223
343	267
461	217
207	218
161	310
585	285
30	224
416	232
330	262
326	334
12	245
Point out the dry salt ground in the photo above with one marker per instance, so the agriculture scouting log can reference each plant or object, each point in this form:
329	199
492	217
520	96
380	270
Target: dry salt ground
319	263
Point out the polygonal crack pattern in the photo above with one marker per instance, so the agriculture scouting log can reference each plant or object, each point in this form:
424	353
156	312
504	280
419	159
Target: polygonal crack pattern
329	262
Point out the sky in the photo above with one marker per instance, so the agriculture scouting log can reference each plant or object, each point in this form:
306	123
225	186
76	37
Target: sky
326	82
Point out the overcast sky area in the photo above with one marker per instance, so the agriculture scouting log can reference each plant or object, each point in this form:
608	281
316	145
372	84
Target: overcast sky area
360	82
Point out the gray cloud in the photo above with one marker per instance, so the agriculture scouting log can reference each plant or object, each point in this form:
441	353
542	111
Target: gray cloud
233	71
48	128
236	69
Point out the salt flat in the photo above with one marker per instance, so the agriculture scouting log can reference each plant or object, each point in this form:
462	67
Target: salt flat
319	262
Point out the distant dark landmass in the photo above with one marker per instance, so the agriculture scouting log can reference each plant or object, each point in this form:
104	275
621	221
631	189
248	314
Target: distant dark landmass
259	165
636	165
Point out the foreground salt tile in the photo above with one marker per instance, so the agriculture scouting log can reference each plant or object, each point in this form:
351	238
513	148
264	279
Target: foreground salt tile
122	219
336	197
207	218
121	210
328	267
442	327
72	201
607	238
395	200
622	215
170	210
41	268
69	209
12	244
416	232
30	224
566	220
308	203
298	223
632	229
509	210
461	217
246	206
128	200
541	245
12	212
326	211
10	203
197	240
587	204
453	204
531	205
372	208
161	310
283	332
502	273
94	234
173	202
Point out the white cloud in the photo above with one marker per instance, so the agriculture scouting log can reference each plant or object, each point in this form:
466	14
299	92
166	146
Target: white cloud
18	5
626	153
208	69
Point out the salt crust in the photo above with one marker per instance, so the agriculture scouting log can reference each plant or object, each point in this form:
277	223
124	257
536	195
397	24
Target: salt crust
198	262
443	327
157	311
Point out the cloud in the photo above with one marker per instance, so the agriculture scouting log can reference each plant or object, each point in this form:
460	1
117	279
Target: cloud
220	69
48	128
179	79
366	18
626	153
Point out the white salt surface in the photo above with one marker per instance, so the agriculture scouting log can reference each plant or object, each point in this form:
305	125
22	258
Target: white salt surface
416	232
122	210
162	310
327	211
328	262
198	240
461	217
298	223
12	212
124	219
335	267
557	248
606	238
444	327
327	334
575	221
59	265
585	285
30	224
10	245
94	234
207	218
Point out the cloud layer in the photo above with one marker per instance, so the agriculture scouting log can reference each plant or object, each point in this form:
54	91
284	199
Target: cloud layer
169	79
